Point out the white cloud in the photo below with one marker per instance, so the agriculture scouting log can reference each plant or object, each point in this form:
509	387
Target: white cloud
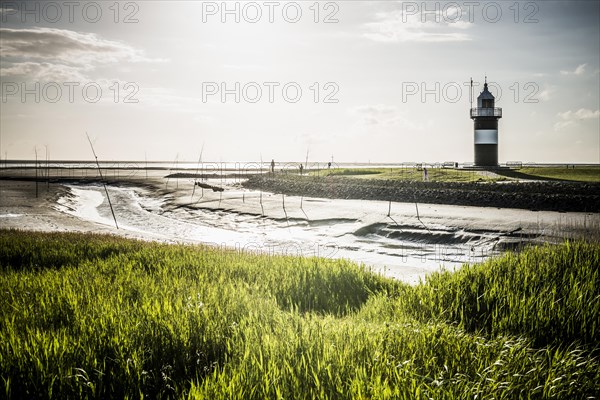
167	99
6	10
580	70
382	115
66	46
396	26
242	67
570	118
547	93
562	125
379	114
60	54
45	72
582	113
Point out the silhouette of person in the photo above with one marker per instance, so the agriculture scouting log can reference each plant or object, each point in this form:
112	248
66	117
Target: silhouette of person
301	169
273	166
425	175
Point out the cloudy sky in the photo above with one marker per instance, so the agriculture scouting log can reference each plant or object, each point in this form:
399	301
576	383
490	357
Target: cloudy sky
360	81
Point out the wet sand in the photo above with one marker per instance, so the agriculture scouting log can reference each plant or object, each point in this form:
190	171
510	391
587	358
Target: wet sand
21	209
403	240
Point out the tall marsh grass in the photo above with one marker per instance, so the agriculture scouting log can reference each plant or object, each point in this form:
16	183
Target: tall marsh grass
88	316
550	294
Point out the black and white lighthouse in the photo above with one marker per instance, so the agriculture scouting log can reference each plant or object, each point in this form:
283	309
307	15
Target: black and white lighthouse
485	117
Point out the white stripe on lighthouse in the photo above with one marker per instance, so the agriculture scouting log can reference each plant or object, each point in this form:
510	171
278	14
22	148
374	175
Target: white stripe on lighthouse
486	136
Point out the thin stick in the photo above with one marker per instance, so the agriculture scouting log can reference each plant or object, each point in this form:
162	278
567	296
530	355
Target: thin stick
301	208
47	171
419	218
102	180
171	171
197	168
261	204
285	212
390	213
201	195
306	161
471	94
36	174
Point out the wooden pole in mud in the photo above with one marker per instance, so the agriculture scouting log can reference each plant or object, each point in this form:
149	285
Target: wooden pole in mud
47	171
283	203
102	180
36	174
197	169
302	208
419	218
390	213
262	208
261	204
201	194
306	161
171	171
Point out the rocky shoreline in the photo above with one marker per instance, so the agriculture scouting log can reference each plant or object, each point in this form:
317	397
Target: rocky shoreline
535	195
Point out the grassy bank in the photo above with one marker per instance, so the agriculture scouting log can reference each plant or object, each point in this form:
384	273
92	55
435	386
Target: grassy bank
410	174
576	174
580	174
87	316
535	195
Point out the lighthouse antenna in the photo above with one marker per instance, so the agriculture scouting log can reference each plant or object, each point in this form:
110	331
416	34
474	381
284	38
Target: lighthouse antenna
471	94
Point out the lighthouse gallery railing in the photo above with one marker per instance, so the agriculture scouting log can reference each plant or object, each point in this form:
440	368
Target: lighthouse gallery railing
486	112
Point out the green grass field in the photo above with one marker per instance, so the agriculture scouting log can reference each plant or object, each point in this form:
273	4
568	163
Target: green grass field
88	316
410	174
579	173
582	174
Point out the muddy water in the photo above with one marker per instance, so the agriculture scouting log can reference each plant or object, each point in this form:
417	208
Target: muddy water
401	240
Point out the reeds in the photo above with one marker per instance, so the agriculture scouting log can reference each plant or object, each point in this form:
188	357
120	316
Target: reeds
550	294
90	316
